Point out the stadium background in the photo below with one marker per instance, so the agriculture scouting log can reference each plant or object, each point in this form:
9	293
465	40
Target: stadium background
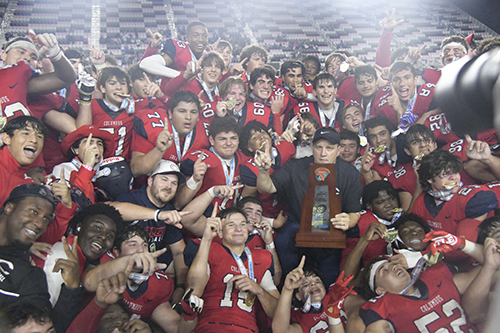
287	29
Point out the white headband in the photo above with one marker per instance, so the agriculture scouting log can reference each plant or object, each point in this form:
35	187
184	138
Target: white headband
373	271
457	44
22	43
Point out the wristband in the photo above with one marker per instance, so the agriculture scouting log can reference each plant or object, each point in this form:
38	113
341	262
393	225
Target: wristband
192	184
57	56
211	192
469	247
157	215
270	246
164	99
334	321
82	102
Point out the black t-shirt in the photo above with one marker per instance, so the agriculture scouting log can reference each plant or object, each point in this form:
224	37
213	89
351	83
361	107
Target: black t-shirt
19	280
159	232
291	182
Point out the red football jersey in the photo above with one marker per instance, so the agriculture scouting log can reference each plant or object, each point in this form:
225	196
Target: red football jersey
380	106
471	201
313	108
39	106
224	304
438	309
347	90
215	174
149	124
150	294
256	111
374	249
14	87
119	123
249	171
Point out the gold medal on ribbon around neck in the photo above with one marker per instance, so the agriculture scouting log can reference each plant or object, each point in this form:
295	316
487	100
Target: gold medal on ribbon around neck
380	149
249	299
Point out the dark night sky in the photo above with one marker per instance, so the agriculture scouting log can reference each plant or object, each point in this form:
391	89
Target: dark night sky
486	11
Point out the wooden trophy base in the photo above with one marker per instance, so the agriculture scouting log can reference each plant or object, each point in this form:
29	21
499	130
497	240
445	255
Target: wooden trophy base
328	236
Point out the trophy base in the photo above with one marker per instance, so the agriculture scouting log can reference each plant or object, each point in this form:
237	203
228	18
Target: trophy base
331	239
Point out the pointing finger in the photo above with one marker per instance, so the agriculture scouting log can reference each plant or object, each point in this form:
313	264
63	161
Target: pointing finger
214	211
243	61
302	262
235	187
150	33
74	250
468	138
185	213
146	78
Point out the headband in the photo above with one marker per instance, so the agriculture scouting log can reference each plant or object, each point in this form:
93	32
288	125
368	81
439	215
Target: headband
373	271
22	43
457	44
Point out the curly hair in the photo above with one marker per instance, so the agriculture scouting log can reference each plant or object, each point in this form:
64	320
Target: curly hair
96	209
436	162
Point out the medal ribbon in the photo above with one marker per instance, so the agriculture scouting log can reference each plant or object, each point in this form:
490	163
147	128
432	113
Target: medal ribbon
407	118
177	142
79	164
229	175
207	90
323	117
241	266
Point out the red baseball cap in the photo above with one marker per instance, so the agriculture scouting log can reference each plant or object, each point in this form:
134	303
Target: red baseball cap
83	132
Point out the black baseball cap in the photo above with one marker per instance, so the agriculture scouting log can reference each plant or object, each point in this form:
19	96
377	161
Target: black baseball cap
32	190
326	133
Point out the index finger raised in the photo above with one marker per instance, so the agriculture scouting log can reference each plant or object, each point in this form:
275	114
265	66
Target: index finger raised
243	61
150	33
302	262
146	78
468	138
214	211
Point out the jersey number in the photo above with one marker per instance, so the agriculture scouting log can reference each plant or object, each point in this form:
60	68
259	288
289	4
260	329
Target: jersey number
156	115
11	109
321	326
227	302
448	310
122	132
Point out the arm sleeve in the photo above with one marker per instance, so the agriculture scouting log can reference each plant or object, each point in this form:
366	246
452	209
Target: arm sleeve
155	65
267	282
149	52
247	176
83	179
67	307
480	204
282	177
87	320
383	57
58	226
174	85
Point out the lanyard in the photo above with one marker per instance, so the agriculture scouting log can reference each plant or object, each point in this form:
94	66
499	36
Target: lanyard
207	90
177	142
368	107
128	104
241	266
323	117
407	118
229	175
192	54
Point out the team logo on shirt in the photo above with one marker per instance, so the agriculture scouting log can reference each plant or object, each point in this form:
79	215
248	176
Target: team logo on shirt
321	174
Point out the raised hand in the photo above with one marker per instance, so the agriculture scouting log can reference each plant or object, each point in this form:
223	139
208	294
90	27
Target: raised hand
199	169
155	39
338	292
296	277
367	160
145	262
262	158
375	231
238	68
213	226
164	139
395	102
477	150
49	42
90	152
70	267
85	84
109	290
277	103
96	55
414	53
152	89
443	241
389	21
61	190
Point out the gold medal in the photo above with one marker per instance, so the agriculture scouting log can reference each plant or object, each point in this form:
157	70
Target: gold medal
390	236
419	156
380	149
249	299
231	103
396	210
434	258
344	67
122	95
3	122
362	140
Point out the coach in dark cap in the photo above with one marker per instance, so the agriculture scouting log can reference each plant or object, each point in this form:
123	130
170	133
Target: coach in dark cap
291	183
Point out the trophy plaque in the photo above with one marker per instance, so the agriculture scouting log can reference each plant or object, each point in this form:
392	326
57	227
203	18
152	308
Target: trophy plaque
321	203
